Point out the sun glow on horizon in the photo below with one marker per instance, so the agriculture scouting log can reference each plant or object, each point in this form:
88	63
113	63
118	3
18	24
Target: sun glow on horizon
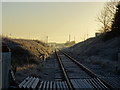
33	20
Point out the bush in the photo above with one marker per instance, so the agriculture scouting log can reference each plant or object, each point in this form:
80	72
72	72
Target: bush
111	34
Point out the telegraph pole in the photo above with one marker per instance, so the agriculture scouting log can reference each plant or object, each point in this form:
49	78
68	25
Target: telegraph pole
47	39
69	37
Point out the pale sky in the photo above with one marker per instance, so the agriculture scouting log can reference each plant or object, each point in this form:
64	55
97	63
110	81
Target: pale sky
57	20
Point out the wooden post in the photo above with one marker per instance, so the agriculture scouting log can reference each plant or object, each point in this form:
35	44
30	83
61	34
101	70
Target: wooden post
5	64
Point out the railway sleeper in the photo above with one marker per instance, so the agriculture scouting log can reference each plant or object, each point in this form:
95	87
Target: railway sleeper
84	83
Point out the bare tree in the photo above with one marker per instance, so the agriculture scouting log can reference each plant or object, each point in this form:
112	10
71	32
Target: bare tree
106	16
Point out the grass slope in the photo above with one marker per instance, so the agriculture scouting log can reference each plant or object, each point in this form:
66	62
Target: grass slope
26	51
97	51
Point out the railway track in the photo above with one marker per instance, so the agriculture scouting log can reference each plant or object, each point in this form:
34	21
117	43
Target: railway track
69	74
77	75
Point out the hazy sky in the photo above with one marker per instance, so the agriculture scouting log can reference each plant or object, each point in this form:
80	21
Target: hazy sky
53	19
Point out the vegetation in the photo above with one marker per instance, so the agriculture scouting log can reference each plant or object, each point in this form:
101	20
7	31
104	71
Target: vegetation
109	20
115	28
116	22
106	16
26	52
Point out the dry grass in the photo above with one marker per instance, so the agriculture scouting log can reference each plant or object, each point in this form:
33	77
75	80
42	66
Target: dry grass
26	56
28	70
26	67
26	52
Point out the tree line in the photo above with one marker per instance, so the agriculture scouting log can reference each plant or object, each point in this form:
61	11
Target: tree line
109	19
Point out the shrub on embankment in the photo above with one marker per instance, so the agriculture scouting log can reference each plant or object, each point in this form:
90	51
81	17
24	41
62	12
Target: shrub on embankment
26	52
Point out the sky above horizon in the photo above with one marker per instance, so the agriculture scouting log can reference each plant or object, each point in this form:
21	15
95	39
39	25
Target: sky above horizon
57	20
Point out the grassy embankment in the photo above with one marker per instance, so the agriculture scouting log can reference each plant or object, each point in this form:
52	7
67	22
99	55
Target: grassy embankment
98	51
26	52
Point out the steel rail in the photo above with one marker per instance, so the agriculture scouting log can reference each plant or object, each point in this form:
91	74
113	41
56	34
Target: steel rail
92	74
64	72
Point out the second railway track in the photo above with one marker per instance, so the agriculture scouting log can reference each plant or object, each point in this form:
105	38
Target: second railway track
77	75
